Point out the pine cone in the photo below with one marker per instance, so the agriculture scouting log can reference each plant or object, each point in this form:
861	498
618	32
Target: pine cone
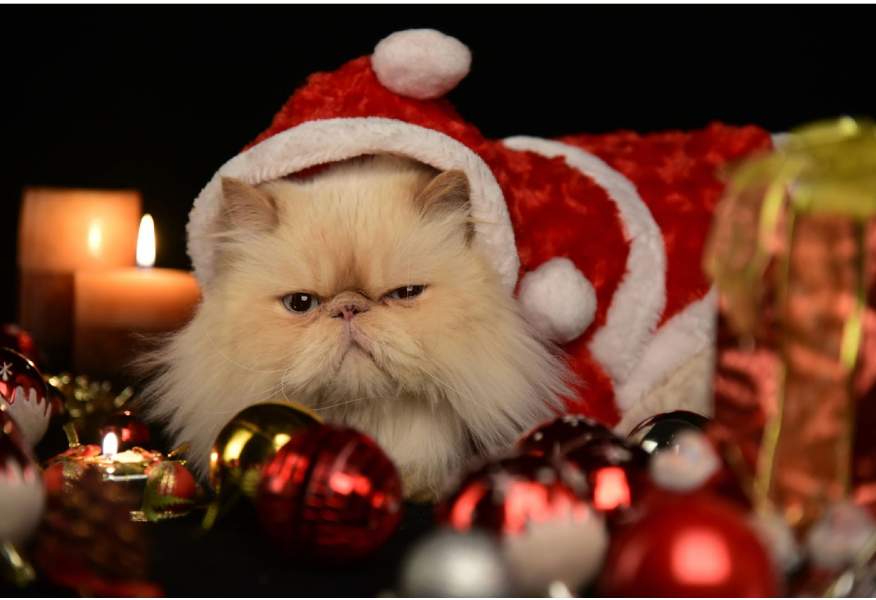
87	533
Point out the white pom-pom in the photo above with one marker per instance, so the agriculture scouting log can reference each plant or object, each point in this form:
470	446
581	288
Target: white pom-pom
420	63
558	299
686	465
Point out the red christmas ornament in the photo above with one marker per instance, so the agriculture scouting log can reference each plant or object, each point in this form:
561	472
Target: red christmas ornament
129	431
23	393
171	489
699	548
617	473
538	507
330	494
508	495
553	437
14	337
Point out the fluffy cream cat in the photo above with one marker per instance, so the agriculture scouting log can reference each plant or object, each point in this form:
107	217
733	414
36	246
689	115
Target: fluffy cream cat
357	293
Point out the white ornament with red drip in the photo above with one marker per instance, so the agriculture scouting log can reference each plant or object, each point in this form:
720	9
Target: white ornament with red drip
23	394
22	498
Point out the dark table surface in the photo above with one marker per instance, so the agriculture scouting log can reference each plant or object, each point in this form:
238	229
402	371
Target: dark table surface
235	559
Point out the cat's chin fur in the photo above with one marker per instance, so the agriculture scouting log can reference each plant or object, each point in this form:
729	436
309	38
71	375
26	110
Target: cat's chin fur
453	373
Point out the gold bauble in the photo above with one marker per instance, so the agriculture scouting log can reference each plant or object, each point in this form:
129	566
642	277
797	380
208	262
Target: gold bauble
246	443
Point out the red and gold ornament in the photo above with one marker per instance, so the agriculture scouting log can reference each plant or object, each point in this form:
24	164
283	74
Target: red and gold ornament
170	490
702	547
23	393
59	475
329	495
553	437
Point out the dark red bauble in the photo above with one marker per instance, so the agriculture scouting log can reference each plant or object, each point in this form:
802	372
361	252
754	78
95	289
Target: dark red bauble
617	474
699	548
553	437
329	495
131	432
13	336
511	494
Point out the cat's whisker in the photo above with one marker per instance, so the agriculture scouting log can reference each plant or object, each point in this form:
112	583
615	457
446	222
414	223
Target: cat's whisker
265	396
451	388
237	364
352	401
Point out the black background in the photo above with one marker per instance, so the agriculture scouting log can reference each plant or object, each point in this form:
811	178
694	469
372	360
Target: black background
158	98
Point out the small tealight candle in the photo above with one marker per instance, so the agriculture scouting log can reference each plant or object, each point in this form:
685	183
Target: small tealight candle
113	307
127	467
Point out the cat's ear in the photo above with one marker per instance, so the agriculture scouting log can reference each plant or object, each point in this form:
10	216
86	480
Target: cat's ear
248	208
448	193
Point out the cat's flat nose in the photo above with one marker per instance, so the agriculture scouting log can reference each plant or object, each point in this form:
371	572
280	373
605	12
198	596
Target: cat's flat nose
349	310
348	305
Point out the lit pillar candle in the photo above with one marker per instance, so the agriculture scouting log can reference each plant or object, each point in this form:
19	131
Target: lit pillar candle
113	307
61	232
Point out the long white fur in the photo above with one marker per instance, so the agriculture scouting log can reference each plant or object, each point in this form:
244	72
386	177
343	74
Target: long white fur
454	372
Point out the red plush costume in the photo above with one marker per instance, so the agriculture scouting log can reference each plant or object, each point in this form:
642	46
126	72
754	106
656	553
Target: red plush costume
599	236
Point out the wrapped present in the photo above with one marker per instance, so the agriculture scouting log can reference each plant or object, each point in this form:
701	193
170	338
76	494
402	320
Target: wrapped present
792	252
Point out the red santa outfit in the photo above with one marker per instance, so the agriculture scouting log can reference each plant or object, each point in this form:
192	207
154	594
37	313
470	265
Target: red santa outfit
599	236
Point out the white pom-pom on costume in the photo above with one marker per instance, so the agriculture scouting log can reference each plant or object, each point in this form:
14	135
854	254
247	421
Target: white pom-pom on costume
420	63
558	299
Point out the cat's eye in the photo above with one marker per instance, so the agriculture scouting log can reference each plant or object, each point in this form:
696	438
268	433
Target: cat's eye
407	292
300	302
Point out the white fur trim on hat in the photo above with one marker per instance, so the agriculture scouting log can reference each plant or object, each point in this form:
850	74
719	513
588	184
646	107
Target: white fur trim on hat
558	299
320	142
420	63
640	298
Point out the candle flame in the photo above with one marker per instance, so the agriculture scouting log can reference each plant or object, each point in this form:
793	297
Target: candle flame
146	243
110	444
94	238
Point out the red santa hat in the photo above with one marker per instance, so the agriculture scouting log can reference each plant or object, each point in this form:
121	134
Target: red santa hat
391	102
566	223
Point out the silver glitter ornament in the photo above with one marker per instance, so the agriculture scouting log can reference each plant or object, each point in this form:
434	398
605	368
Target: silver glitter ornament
658	433
449	564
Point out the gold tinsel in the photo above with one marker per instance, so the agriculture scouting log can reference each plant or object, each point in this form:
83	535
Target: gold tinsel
87	401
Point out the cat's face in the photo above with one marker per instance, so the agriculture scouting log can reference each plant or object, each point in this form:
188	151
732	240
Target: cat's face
359	294
357	286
